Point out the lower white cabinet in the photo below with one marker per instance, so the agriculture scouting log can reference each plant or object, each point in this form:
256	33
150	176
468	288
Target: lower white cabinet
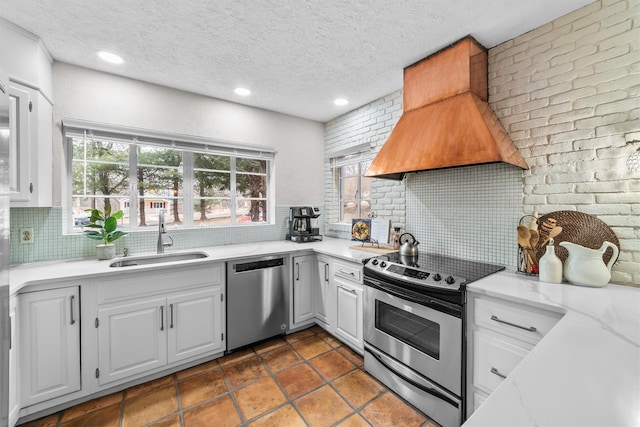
325	306
349	318
304	283
501	333
14	402
49	344
141	335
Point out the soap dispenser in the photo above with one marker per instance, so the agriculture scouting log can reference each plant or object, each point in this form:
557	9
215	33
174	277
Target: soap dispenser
550	266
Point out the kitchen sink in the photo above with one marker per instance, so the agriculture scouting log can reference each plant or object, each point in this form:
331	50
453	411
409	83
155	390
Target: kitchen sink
157	259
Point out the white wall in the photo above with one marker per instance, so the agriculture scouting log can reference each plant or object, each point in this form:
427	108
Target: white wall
80	93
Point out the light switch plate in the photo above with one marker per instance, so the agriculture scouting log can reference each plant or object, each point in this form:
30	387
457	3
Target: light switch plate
26	235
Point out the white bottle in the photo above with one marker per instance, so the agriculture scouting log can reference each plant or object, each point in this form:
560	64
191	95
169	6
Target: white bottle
550	266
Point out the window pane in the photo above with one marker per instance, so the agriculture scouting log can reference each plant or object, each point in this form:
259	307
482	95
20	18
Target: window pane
91	149
212	212
211	162
251	186
251	211
349	210
211	184
81	204
251	165
349	188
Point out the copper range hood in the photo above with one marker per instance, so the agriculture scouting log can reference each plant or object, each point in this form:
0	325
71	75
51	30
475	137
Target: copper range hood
446	121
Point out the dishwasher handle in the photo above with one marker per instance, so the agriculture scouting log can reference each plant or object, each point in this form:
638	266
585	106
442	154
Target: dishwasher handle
242	267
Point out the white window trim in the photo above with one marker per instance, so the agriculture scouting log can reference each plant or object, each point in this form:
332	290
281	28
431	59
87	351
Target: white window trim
75	128
351	155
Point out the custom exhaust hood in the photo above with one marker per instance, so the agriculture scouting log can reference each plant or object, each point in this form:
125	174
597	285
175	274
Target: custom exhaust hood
446	121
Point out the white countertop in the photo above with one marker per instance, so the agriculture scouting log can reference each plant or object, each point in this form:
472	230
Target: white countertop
584	372
21	275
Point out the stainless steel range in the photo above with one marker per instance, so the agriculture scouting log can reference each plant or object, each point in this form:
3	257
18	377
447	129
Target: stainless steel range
414	328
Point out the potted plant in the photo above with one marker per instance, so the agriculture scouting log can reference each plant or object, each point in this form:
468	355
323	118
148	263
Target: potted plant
103	227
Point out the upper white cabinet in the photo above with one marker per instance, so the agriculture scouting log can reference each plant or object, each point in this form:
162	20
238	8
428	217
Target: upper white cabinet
49	344
28	65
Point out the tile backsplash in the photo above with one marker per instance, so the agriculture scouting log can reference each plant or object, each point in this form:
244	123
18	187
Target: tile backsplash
468	212
50	243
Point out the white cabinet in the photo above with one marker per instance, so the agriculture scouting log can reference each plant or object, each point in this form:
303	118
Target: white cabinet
30	148
14	402
501	333
150	321
304	283
349	303
325	306
49	344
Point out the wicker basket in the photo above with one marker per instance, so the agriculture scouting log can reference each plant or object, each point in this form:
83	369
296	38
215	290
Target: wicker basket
580	228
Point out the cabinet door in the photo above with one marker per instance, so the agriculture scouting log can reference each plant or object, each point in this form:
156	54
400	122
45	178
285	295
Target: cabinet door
14	402
50	344
303	280
349	303
20	105
194	324
132	338
322	291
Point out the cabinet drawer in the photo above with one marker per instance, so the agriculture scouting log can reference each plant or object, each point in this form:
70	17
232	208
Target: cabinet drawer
494	359
348	271
527	324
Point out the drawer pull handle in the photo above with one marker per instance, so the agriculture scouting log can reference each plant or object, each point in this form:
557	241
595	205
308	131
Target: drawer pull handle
162	317
347	272
498	373
73	321
529	328
171	317
353	291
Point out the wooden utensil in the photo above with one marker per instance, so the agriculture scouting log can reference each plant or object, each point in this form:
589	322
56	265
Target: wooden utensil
553	233
533	240
524	240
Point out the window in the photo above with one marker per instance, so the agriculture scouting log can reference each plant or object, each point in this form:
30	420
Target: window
354	189
196	183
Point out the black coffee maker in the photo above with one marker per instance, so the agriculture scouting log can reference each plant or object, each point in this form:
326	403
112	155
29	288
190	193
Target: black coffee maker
300	229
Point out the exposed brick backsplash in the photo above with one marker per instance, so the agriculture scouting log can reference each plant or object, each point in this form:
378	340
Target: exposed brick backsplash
568	94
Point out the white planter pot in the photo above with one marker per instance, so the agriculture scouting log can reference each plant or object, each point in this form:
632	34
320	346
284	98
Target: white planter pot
106	251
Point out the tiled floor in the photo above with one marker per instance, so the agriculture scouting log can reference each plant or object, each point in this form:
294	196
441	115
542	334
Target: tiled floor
304	379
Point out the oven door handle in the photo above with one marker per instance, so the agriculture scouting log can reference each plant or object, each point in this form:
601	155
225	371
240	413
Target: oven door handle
417	385
430	302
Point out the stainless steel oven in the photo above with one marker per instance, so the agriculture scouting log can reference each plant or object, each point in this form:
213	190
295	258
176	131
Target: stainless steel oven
414	329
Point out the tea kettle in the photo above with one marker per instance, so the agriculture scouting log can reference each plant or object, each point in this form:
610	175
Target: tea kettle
585	267
409	245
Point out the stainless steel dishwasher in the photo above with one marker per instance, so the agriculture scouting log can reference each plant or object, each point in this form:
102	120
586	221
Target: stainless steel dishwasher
257	307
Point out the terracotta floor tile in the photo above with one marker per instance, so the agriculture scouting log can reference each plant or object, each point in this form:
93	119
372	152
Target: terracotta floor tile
354	421
203	387
316	329
297	336
323	407
222	410
311	347
332	364
104	417
299	380
149	386
198	369
351	355
244	372
236	356
50	421
173	421
266	346
280	358
286	416
151	406
333	342
258	398
388	410
358	388
92	405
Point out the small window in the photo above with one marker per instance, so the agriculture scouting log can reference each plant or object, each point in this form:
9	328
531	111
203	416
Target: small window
355	191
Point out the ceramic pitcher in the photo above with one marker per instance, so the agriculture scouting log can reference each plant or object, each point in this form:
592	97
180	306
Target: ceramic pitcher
585	267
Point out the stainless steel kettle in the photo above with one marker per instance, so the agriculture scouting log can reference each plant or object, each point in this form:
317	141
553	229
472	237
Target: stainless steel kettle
409	245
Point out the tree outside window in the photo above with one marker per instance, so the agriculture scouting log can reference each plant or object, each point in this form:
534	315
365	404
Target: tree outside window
355	191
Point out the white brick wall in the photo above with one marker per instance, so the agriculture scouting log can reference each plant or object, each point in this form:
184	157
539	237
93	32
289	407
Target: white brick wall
371	124
568	95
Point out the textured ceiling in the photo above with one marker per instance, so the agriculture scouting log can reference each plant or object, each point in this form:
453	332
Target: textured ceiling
296	56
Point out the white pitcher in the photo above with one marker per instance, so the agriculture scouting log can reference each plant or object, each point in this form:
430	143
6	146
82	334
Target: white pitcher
585	267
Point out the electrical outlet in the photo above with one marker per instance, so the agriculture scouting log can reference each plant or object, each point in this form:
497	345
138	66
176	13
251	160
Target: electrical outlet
26	235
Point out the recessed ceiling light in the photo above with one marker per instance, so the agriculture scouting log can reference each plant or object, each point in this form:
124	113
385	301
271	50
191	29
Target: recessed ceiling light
110	57
242	91
341	101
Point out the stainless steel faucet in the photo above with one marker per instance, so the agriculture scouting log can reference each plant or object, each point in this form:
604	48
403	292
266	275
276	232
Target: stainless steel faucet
161	231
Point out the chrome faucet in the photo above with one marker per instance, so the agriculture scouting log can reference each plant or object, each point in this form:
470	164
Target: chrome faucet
161	231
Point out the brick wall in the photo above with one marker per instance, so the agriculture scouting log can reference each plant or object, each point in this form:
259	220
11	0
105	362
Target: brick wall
369	124
568	95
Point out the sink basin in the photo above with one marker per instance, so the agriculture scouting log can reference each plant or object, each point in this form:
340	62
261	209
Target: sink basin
157	259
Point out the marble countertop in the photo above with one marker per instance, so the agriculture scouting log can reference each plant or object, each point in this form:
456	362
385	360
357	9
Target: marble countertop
21	275
584	372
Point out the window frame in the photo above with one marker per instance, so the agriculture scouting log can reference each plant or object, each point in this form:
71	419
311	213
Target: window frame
188	145
355	155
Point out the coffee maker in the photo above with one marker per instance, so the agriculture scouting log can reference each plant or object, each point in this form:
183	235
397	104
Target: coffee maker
300	229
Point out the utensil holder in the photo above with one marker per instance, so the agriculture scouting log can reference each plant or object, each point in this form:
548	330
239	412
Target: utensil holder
522	252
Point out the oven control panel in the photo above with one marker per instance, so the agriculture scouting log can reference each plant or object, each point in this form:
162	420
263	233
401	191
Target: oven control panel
414	275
